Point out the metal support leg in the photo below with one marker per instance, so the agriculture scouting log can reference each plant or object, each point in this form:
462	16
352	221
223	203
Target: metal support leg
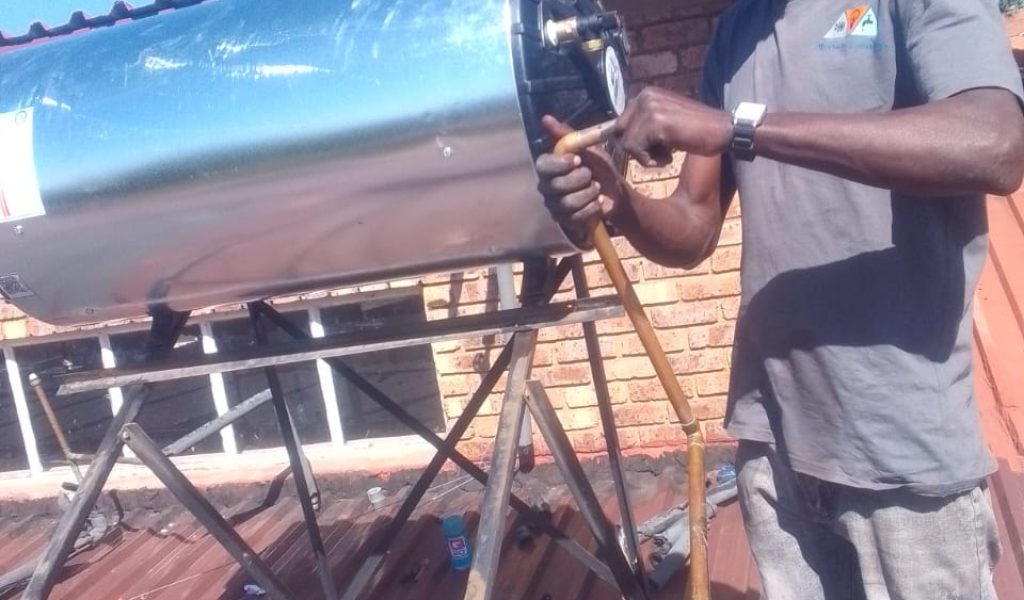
489	535
301	472
539	520
369	569
164	332
193	501
582	492
611	433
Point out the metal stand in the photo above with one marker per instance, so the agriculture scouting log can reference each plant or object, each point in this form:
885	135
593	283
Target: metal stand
164	332
615	563
305	485
611	433
176	482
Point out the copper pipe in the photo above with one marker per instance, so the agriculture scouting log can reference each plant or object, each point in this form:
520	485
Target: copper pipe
44	401
699	583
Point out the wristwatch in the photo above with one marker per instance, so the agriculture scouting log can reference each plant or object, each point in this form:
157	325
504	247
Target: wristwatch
747	117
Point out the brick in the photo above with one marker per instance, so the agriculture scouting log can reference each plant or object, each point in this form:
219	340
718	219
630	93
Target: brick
721	335
661	435
727	259
693	57
619	392
645	66
657	292
40	329
446	347
564	375
646	390
477	449
709	407
711	286
570	351
560	332
699	361
732	233
580	397
713	384
650	413
449	364
617	325
658	190
597	276
453	408
734	207
685	314
578	420
730	308
624	369
651	390
686	82
714	432
543	356
15	330
629	438
671	340
9	312
675	34
623	248
587	442
485	426
637	173
653	270
643	12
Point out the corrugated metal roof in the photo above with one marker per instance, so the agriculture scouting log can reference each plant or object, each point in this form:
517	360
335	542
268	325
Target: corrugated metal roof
164	555
81	21
999	325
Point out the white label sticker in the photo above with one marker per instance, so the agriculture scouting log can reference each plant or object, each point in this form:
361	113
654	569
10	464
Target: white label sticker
19	187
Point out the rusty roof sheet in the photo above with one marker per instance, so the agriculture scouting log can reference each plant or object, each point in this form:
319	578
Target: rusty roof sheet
999	328
164	555
81	21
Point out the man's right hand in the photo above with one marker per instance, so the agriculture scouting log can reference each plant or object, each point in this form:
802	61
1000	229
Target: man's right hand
579	187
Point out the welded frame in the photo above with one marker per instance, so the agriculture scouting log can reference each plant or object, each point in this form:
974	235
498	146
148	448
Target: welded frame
617	560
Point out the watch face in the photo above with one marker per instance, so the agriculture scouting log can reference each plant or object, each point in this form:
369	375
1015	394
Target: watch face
748	111
614	80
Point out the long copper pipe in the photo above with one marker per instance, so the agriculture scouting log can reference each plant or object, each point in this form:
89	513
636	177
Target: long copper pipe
699	583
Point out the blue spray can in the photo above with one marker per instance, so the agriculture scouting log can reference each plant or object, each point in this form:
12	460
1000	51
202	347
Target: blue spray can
458	543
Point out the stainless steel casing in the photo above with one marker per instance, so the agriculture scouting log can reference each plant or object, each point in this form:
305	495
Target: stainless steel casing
240	149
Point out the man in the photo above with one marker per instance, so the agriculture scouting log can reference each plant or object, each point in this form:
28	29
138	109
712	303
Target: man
861	461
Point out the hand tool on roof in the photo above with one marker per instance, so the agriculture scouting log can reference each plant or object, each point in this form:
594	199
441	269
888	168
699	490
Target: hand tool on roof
576	142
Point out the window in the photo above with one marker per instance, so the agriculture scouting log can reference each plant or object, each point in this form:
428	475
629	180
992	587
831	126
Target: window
300	383
175	408
12	447
407	375
84	418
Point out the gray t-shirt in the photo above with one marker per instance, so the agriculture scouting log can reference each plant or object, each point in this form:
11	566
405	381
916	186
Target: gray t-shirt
853	347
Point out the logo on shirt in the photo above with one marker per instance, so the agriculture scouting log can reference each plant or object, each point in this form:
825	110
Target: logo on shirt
856	22
856	30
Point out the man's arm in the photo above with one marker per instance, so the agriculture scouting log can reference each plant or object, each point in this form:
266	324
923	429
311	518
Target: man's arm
972	142
679	231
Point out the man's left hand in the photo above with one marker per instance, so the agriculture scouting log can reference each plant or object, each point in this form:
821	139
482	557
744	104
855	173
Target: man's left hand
659	122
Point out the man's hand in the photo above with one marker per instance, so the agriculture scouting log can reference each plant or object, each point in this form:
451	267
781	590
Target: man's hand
659	122
579	187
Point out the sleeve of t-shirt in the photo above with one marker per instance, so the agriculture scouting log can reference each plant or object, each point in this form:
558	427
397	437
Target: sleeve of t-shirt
712	85
957	45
